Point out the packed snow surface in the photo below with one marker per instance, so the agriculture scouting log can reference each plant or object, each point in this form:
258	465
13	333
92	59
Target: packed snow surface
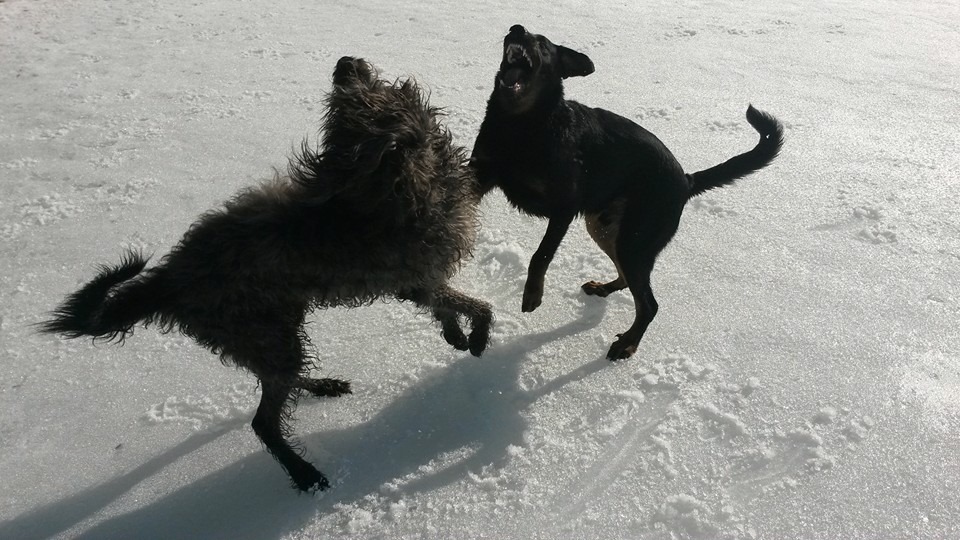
802	378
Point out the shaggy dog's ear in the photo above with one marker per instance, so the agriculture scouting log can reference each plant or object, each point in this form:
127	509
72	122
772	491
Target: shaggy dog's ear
573	63
370	153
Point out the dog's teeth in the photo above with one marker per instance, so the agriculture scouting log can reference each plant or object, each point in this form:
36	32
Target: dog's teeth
515	52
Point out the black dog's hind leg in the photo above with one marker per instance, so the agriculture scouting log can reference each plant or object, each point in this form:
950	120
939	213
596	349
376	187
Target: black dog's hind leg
601	289
643	234
604	228
646	307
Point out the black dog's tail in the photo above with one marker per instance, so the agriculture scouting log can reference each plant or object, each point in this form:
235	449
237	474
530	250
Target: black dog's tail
771	139
110	304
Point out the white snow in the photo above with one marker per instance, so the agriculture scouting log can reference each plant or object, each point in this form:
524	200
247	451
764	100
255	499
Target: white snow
801	380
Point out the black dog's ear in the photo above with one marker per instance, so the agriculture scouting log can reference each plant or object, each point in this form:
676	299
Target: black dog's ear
573	63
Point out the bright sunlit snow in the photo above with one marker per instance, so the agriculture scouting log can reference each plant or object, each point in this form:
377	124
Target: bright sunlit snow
802	378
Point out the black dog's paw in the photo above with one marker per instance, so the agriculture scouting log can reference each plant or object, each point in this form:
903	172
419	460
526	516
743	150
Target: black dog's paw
596	288
326	387
532	297
621	348
456	338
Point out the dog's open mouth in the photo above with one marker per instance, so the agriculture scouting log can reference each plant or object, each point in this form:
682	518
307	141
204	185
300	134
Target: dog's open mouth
515	68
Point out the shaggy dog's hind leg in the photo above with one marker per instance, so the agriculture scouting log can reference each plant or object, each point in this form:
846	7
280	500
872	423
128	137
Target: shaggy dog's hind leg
324	387
270	424
276	355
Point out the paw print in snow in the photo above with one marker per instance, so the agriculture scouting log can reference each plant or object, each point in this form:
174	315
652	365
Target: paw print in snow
656	113
712	207
866	223
680	31
777	459
875	231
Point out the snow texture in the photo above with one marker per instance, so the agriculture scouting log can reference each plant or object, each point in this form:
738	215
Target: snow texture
802	379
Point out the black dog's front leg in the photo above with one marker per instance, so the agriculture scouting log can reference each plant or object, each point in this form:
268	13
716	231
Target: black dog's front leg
484	171
533	290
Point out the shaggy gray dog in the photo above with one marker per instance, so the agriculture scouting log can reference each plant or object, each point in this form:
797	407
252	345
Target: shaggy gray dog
386	207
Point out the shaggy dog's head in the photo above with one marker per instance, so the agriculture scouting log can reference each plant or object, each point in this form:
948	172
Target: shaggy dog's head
354	71
533	69
381	143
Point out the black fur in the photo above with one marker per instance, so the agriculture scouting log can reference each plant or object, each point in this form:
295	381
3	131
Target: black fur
386	207
557	159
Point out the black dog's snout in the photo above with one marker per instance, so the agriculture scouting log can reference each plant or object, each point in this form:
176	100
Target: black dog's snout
517	29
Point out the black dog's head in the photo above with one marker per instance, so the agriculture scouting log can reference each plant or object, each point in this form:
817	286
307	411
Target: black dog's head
533	68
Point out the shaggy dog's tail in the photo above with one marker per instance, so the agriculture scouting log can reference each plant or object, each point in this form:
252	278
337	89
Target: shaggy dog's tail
110	304
771	139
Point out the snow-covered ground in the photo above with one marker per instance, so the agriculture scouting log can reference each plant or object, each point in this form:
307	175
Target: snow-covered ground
802	378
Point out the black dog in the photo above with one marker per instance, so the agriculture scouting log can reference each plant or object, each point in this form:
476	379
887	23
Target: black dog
386	208
557	159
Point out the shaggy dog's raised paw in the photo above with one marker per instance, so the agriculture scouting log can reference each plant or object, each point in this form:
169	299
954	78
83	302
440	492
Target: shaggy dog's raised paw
456	338
480	335
479	339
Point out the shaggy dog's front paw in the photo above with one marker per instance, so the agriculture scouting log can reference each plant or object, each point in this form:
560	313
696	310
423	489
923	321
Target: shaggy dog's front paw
457	338
479	339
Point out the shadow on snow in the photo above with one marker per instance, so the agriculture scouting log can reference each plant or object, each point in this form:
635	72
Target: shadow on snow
473	403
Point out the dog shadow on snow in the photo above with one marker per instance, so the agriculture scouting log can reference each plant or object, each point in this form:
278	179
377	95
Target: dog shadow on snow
473	402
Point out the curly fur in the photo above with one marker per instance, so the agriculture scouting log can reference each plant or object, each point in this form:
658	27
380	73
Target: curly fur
385	207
